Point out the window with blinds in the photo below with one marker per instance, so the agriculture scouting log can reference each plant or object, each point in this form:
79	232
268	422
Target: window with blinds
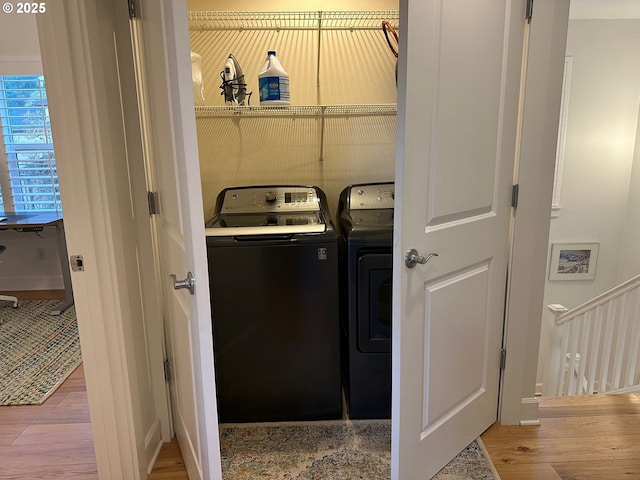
28	175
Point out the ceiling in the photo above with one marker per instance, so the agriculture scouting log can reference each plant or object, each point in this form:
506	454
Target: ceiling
604	9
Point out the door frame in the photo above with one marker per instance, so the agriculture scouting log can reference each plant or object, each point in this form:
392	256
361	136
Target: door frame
535	165
179	226
100	309
123	392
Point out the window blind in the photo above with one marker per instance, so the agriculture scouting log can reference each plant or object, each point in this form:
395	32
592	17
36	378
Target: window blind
28	176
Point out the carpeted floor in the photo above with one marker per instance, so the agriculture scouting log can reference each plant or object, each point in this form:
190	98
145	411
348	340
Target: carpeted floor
339	450
37	351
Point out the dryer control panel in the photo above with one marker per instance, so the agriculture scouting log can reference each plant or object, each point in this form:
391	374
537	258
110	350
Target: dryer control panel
371	196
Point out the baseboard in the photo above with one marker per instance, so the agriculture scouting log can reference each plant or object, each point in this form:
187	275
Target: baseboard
190	455
36	294
19	283
529	423
153	444
529	411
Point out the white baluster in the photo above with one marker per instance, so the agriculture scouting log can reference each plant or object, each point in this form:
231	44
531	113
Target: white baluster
587	321
573	355
634	337
562	364
620	350
606	347
594	351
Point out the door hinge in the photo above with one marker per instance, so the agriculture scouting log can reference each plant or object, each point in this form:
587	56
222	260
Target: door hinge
503	358
133	8
529	11
154	203
167	369
515	190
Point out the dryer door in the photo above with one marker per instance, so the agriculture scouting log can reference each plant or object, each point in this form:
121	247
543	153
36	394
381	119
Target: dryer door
374	302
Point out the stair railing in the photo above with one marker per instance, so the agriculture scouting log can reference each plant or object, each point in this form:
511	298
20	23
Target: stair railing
596	346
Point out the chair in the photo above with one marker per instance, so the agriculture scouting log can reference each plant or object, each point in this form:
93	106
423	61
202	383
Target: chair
8	298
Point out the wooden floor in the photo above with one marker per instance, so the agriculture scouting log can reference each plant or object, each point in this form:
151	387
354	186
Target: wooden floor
52	440
580	438
169	465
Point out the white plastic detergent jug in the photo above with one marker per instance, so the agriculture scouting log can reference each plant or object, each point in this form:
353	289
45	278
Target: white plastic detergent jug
273	82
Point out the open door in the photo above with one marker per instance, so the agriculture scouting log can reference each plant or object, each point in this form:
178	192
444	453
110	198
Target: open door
166	104
457	126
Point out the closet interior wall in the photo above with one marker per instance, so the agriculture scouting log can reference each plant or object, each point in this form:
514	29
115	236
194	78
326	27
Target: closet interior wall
341	126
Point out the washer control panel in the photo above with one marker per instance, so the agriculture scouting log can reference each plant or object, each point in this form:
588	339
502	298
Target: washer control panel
367	197
270	199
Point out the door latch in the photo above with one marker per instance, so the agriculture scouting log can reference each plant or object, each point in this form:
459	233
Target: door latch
77	263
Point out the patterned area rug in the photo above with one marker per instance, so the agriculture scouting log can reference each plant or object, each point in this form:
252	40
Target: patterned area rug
38	351
328	451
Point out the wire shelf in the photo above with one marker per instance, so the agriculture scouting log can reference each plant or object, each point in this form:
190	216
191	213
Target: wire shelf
309	20
318	111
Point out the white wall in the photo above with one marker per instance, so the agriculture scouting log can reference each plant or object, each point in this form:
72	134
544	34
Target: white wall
356	67
30	261
19	49
598	201
630	253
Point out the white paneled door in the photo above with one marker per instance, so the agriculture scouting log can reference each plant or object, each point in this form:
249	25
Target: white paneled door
458	95
168	118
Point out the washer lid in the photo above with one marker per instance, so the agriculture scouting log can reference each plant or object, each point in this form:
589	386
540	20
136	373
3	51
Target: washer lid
280	223
268	210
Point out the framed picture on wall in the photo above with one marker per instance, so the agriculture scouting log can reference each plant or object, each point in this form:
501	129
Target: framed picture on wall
573	261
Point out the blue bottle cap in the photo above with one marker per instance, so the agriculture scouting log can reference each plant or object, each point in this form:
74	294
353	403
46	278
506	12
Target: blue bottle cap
271	52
